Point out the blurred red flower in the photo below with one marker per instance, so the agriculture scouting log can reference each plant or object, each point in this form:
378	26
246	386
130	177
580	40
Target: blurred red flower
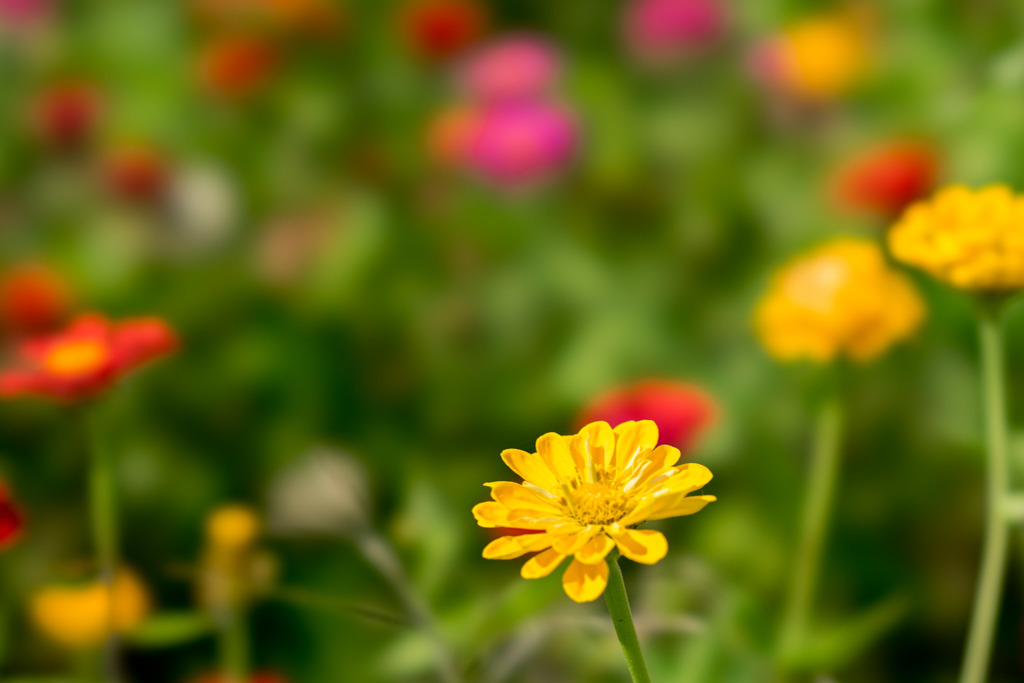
136	173
682	411
86	357
33	298
238	66
886	179
12	520
65	114
440	29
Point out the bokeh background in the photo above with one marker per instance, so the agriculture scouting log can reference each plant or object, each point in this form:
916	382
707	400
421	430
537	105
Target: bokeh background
293	190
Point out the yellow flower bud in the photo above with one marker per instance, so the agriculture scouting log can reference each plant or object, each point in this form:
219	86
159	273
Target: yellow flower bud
81	616
971	239
233	528
841	299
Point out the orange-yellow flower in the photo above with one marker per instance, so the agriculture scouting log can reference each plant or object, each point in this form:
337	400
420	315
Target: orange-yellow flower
823	57
841	299
82	616
585	494
971	239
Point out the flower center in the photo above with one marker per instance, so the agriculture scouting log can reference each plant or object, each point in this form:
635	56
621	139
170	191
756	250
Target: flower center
76	358
596	503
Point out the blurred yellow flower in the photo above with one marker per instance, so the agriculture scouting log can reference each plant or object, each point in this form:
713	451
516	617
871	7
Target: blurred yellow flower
233	527
81	616
583	495
971	239
841	299
824	56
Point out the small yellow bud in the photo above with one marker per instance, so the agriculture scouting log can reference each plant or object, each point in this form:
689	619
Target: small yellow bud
233	527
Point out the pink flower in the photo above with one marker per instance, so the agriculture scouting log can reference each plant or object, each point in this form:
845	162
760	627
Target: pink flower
663	30
682	411
513	68
520	144
24	12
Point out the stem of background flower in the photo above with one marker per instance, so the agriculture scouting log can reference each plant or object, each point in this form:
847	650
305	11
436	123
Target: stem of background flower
622	619
234	645
378	552
997	527
824	469
103	512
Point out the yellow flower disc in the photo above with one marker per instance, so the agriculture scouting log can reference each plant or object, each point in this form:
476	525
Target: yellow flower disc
82	616
971	239
583	495
233	527
824	57
841	299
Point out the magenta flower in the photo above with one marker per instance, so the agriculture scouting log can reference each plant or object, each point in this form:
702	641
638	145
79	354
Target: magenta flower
21	13
663	30
513	68
520	144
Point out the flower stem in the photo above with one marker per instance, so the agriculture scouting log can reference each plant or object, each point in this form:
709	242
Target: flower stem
103	513
824	469
997	528
622	619
234	646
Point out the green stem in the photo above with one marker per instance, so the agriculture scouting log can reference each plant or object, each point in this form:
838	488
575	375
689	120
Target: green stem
997	528
234	646
824	469
622	619
103	512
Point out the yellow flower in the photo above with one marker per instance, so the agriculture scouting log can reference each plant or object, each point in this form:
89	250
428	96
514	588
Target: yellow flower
841	299
233	528
82	617
824	57
583	495
971	239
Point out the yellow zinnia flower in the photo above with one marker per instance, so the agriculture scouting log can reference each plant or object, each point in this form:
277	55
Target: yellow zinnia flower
971	239
583	495
81	616
824	57
841	299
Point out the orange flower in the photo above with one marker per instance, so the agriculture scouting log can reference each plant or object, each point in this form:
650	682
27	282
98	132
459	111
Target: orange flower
65	114
450	134
12	520
237	67
440	29
885	180
136	173
308	17
33	298
87	357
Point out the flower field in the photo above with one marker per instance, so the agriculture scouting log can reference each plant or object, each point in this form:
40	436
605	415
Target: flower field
701	312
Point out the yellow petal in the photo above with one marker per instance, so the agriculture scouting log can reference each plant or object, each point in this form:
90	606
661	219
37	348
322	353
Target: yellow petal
596	441
585	582
510	547
542	564
690	477
569	543
555	451
642	545
515	496
633	439
532	468
491	514
663	507
595	549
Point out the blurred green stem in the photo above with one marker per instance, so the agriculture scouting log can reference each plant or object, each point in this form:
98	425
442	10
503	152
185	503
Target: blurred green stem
378	552
824	469
997	526
103	512
622	619
234	645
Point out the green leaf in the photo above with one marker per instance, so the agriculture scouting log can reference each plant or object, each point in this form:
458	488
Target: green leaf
170	629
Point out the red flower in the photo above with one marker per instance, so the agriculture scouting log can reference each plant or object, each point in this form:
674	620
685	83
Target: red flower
85	358
887	179
136	173
12	520
33	298
440	29
65	114
237	67
681	411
